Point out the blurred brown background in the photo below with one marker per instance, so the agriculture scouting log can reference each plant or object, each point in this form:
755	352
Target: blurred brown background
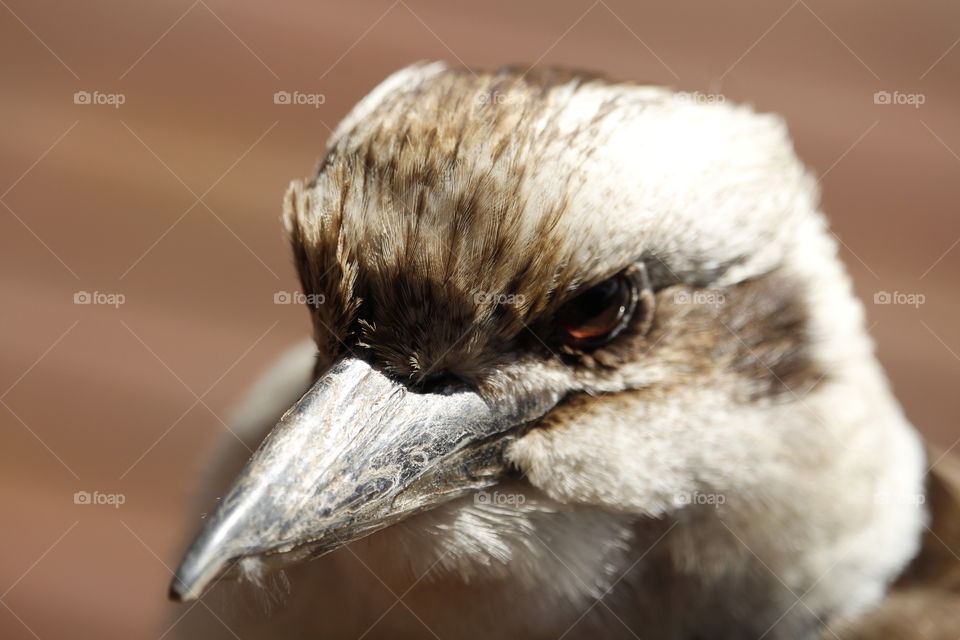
171	200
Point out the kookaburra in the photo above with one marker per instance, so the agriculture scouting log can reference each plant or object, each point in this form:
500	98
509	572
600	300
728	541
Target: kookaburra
585	363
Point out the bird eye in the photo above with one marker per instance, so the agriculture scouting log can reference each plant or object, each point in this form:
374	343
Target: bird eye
598	314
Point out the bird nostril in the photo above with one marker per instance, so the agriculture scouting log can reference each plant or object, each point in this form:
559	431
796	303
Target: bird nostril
443	382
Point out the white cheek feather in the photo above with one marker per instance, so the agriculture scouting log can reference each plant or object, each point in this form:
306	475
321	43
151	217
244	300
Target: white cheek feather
517	537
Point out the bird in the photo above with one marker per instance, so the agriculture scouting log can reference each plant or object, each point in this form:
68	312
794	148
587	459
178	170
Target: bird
584	362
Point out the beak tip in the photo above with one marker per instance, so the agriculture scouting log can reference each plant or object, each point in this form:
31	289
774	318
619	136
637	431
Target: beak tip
176	594
188	586
183	588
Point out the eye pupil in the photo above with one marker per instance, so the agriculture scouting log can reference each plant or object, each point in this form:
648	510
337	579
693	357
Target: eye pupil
596	315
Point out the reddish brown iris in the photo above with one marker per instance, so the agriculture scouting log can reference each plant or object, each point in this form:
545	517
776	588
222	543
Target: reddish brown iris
597	315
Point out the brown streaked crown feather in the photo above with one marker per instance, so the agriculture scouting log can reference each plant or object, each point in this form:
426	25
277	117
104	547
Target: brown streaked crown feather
440	229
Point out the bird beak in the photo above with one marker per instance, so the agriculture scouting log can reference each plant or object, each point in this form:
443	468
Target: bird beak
357	453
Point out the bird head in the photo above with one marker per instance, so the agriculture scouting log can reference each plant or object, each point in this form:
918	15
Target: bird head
622	295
